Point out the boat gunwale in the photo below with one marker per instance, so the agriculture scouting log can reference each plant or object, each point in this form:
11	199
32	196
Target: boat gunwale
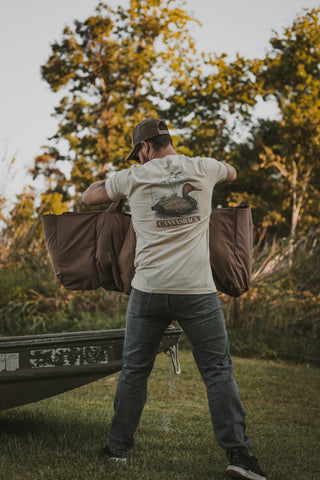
71	337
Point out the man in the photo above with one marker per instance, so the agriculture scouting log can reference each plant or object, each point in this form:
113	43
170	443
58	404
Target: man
170	200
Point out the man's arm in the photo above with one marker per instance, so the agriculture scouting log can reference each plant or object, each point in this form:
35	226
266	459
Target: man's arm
231	173
96	194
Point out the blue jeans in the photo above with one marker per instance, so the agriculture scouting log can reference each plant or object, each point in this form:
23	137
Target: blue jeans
202	320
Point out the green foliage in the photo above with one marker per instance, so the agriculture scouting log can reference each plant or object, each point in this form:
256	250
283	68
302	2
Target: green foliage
207	104
279	316
35	304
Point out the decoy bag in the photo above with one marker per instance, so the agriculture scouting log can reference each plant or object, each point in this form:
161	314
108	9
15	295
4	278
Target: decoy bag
89	250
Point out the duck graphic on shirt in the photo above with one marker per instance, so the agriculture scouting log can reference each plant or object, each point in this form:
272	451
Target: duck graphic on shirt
175	198
176	205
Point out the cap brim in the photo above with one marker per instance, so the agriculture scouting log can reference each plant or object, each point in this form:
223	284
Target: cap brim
133	155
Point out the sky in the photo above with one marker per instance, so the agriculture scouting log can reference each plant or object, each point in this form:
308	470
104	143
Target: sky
28	27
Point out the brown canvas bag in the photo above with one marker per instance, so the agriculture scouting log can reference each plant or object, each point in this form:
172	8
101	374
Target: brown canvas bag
230	245
84	247
89	250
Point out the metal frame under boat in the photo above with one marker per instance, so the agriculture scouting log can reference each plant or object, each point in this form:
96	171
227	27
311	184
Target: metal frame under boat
39	366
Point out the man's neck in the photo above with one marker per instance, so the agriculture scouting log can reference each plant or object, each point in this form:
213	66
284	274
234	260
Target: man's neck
169	150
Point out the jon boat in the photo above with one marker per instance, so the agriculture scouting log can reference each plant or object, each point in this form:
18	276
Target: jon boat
39	366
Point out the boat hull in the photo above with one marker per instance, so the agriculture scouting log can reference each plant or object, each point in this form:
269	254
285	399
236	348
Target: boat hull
40	366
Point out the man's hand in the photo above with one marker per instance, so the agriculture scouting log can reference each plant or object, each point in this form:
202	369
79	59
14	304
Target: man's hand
96	194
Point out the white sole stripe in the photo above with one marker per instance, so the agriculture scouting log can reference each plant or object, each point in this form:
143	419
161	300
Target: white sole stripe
242	473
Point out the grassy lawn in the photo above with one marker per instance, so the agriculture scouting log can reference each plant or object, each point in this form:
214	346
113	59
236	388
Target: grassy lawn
59	438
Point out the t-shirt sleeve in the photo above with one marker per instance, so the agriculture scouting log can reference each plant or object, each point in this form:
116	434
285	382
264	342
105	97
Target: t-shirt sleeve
216	171
118	186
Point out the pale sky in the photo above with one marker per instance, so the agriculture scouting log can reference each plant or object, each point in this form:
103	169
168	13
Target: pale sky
27	27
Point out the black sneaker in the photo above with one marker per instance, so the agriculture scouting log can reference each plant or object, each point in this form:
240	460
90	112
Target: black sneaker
106	452
243	465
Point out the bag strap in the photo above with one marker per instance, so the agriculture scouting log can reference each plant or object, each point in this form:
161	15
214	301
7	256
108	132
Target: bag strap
115	207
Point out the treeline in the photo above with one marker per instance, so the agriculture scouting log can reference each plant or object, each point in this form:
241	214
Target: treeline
116	68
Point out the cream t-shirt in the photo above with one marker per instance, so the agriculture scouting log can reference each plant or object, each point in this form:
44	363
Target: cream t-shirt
170	202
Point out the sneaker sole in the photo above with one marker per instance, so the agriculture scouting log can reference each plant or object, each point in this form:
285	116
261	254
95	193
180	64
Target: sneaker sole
123	461
238	472
106	456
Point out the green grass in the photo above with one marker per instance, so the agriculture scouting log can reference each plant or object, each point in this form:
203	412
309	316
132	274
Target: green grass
59	438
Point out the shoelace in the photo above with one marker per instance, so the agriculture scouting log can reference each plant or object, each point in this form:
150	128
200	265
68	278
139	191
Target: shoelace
254	464
249	460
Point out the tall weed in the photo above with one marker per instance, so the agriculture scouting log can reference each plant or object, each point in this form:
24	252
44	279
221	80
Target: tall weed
279	317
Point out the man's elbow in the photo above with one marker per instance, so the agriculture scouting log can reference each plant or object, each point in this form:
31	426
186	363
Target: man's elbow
232	174
86	198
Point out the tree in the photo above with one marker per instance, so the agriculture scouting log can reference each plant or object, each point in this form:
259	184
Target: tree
291	74
260	187
208	104
278	162
211	105
115	67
